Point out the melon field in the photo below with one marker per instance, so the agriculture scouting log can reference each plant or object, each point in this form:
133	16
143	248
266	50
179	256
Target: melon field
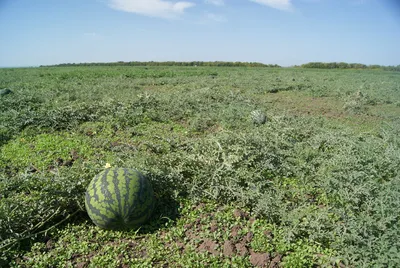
251	167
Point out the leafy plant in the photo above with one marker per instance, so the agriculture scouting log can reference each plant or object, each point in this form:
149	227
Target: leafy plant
328	190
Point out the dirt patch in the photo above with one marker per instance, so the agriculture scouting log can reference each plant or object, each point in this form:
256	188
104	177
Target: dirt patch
180	246
82	264
298	103
65	163
214	226
259	259
140	253
328	107
75	256
200	206
74	155
235	231
241	214
215	128
90	133
192	235
121	258
163	234
188	226
50	244
197	223
248	237
229	249
132	244
276	261
269	235
76	260
198	239
59	161
210	246
242	249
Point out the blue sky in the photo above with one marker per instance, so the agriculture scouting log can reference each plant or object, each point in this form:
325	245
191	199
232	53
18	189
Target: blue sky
285	32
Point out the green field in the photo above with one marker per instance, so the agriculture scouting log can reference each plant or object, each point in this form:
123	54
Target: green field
316	184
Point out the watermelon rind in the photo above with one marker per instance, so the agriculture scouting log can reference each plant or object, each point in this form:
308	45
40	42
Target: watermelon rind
119	198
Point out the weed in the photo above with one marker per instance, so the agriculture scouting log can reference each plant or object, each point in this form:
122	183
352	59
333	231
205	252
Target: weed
300	188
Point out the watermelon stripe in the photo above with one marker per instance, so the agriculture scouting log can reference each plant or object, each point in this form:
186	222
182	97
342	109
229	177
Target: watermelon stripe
105	185
115	180
101	198
101	204
108	191
145	205
141	193
133	198
138	198
96	214
127	194
119	198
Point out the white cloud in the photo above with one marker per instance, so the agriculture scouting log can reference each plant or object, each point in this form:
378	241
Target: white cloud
209	18
215	17
278	4
152	8
215	2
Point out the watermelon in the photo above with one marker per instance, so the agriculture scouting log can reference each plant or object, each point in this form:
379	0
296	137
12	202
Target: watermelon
119	198
258	117
5	91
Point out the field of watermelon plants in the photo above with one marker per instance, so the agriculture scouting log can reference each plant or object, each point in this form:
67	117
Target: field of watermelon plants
250	166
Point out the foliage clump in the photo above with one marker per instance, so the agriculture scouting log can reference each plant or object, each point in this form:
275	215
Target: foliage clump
327	187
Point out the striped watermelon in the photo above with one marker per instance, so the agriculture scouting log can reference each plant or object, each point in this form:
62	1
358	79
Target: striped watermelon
258	117
119	198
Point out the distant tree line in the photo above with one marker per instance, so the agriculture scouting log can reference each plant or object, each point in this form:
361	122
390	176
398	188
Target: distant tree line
344	65
319	65
169	63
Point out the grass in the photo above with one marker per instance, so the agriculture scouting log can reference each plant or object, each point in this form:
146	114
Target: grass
317	184
200	228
